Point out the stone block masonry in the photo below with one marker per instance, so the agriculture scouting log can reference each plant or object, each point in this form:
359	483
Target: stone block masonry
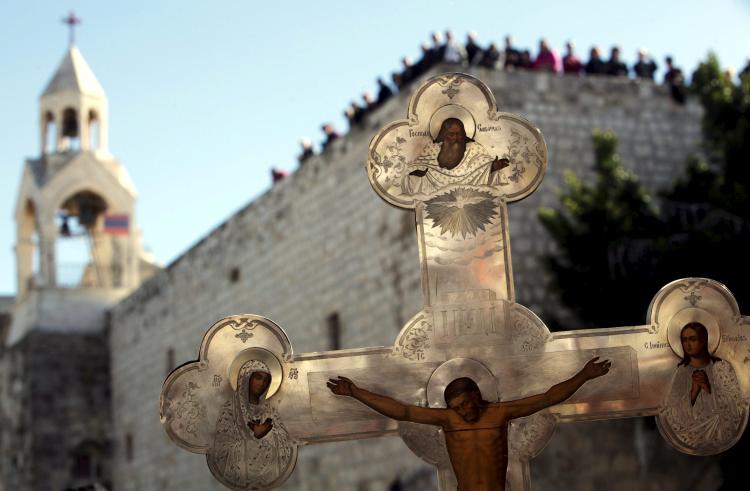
55	411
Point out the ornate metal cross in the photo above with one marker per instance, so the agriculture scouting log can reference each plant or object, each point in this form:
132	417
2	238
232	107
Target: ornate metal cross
457	162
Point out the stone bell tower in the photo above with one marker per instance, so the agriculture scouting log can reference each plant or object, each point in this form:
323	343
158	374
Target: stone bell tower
73	189
78	253
78	248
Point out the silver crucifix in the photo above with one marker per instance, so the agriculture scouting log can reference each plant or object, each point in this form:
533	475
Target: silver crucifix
248	402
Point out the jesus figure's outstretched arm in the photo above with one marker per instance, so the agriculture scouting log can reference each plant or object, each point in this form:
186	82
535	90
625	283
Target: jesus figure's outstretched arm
559	392
387	406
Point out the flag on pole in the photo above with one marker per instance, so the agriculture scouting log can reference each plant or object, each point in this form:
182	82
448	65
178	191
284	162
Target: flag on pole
117	224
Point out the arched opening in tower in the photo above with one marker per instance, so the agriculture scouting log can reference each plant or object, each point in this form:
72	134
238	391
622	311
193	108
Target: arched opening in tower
94	129
83	255
49	138
70	130
33	238
28	250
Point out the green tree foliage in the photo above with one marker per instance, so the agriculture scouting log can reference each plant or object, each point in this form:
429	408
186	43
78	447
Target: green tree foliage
709	207
726	127
597	225
616	248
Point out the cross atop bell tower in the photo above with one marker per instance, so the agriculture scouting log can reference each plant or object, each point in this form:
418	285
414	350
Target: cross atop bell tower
71	20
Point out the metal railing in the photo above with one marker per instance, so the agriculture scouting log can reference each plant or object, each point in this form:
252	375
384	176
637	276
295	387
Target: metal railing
88	275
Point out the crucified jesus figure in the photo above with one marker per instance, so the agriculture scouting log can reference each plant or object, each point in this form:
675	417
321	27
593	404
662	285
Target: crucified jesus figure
476	431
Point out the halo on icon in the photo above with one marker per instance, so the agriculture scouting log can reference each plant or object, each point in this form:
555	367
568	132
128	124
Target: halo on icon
452	111
457	368
686	316
260	354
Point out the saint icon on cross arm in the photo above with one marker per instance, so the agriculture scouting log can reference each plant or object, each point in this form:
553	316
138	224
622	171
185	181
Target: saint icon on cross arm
252	448
452	158
702	411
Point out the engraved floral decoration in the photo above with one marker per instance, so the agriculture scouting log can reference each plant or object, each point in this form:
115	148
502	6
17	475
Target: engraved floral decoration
244	328
529	435
461	211
392	162
690	289
693	298
190	412
451	85
415	341
426	441
519	151
393	154
527	335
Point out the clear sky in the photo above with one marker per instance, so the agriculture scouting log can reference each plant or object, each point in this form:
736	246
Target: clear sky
204	97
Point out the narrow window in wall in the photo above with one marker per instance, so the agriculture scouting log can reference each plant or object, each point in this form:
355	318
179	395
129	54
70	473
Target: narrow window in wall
82	465
334	331
129	447
234	275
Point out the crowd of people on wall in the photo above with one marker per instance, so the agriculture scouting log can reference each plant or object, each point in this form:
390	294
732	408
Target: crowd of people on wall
448	51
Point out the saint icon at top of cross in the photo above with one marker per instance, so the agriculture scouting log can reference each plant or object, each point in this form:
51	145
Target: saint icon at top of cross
72	21
457	160
454	136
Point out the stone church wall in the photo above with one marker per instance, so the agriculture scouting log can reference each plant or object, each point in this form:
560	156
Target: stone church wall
55	427
321	242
